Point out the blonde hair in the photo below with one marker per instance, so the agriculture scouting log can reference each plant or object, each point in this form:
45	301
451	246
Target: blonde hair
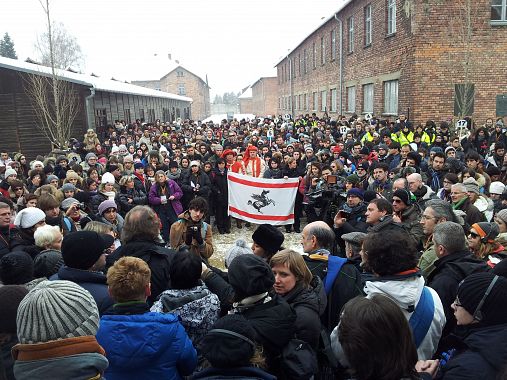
295	263
99	227
127	279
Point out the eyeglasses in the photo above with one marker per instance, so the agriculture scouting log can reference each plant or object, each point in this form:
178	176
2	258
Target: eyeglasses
427	217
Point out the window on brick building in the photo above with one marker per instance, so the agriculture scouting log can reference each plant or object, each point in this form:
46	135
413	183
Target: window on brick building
391	16
305	67
350	23
391	97
333	44
293	67
306	101
351	99
322	51
367	25
181	89
299	64
314	55
368	98
464	99
323	104
300	99
296	102
498	10
334	99
179	73
315	101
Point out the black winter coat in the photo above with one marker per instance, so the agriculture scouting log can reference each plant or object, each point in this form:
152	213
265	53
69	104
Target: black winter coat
94	282
449	271
96	200
157	257
309	305
482	355
138	197
219	186
250	373
202	180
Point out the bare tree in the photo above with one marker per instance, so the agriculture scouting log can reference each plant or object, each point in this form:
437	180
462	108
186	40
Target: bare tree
54	99
462	60
66	51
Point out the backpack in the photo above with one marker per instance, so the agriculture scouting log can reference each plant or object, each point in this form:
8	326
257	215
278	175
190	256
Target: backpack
298	360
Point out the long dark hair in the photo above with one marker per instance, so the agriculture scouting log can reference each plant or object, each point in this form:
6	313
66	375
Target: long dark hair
377	339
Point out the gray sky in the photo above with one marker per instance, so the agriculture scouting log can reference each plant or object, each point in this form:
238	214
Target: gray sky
234	42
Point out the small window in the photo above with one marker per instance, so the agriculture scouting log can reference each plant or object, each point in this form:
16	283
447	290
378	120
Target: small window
299	64
181	89
315	101
333	99
306	102
300	102
179	73
323	96
305	67
351	99
391	97
367	25
368	98
314	55
498	10
322	51
391	17
333	44
351	34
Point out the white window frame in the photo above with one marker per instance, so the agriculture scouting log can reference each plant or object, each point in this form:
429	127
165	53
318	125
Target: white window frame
368	97
368	25
391	97
322	50
350	23
315	100
323	101
334	99
351	99
503	10
181	89
333	44
391	17
305	67
314	55
307	101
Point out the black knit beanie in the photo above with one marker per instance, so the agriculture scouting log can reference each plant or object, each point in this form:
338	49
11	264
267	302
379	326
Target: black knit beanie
472	290
16	268
10	297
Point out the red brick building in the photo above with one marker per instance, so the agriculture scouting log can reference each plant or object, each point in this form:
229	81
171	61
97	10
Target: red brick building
429	59
245	101
183	82
264	96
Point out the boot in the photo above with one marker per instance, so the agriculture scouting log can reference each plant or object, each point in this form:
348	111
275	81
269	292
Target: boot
239	224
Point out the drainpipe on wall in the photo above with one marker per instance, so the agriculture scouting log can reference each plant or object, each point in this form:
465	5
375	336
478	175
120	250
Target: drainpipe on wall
341	62
89	109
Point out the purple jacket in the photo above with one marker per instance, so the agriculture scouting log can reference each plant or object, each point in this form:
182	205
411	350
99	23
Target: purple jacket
174	189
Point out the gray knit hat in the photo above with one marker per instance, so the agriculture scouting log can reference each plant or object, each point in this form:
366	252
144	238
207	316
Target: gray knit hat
240	247
472	185
56	310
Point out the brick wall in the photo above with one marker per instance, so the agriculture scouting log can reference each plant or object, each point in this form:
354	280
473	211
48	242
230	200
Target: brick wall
193	87
265	96
246	105
424	55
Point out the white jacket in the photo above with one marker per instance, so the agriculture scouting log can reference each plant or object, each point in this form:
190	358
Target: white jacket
405	293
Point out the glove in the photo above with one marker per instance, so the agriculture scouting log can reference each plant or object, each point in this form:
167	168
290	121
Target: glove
198	236
188	238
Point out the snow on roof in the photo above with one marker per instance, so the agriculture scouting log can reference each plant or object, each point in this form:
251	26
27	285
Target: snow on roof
345	3
217	118
97	83
246	94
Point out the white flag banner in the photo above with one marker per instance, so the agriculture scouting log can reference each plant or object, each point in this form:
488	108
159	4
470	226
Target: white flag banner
262	200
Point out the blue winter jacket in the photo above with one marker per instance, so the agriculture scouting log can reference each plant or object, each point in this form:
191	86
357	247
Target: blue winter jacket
146	346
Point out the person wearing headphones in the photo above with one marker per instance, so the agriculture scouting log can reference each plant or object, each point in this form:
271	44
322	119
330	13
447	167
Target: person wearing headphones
408	213
478	350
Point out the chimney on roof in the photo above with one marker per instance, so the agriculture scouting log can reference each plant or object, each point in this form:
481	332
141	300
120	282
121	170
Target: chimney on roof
169	56
177	62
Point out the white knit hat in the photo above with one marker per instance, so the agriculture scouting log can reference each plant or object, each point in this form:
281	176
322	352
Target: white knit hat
195	163
107	178
239	248
9	172
496	187
56	310
29	217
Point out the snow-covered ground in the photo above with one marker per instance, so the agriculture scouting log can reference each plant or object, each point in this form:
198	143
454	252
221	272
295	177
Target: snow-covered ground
222	243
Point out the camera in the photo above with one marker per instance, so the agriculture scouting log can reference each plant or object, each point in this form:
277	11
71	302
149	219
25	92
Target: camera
81	206
194	228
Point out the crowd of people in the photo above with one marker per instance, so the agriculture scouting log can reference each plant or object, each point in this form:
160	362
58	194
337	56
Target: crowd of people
105	253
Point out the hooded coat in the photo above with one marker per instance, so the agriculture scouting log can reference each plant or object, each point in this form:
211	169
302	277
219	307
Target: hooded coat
146	346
